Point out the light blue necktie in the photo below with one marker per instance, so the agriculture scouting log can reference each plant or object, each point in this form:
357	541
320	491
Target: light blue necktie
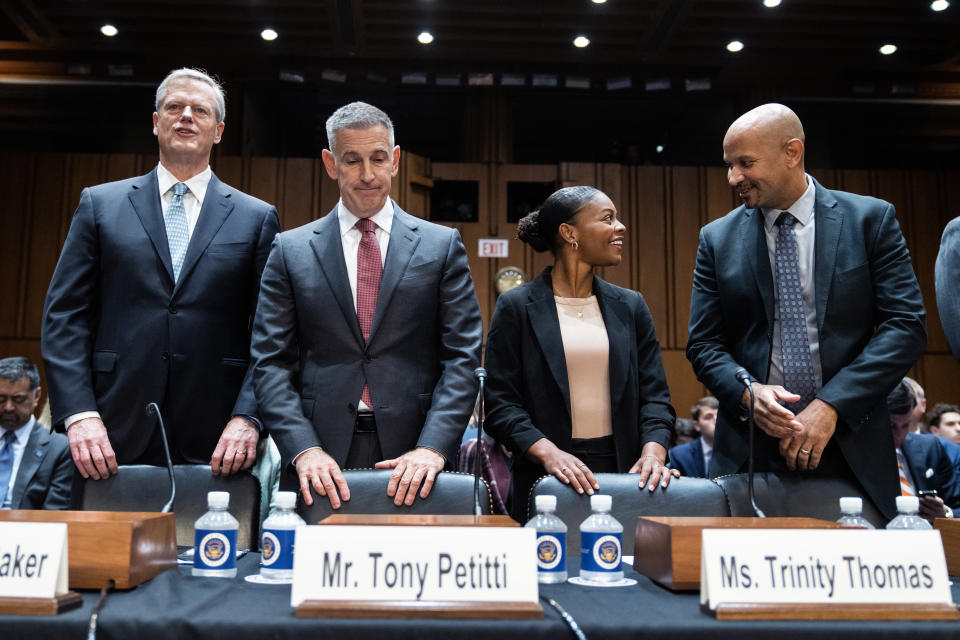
178	233
797	365
6	463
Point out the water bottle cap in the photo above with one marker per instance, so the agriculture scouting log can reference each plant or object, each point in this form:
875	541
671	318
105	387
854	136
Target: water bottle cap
285	499
851	505
218	499
601	503
546	503
905	504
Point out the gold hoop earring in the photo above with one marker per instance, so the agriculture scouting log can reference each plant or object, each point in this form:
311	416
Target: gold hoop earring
576	245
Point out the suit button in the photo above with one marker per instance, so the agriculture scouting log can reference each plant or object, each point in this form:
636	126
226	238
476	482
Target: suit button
165	356
173	308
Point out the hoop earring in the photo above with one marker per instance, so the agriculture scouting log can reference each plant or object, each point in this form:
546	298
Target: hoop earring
576	245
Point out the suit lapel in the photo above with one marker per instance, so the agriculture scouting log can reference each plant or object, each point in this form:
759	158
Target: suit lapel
828	221
617	320
145	199
404	239
328	247
217	206
545	323
33	453
754	242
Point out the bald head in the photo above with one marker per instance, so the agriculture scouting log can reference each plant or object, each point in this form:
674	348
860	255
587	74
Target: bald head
763	151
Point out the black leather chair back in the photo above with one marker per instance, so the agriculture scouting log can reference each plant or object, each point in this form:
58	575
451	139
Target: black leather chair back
795	495
147	488
683	497
452	493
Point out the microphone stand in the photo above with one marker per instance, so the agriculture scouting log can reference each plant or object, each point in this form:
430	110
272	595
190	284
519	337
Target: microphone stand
153	409
481	375
744	378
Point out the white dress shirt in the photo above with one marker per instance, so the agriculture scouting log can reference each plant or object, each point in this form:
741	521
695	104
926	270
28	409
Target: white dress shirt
803	211
350	237
19	443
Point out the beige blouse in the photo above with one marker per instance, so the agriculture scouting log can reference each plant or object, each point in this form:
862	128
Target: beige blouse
587	351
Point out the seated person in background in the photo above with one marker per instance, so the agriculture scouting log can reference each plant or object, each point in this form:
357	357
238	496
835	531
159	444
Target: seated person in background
944	421
693	458
922	459
684	430
36	469
917	423
575	382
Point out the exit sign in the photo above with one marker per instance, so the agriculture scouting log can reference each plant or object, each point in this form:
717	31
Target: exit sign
493	248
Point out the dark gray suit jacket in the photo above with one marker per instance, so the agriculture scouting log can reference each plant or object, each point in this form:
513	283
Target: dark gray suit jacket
870	318
948	284
45	472
117	332
311	361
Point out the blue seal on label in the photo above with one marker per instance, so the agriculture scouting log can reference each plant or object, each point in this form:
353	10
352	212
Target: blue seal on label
550	552
215	549
277	548
600	551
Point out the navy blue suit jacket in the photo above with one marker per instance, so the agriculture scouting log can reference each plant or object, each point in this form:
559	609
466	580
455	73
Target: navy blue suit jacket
119	333
45	473
948	284
870	319
687	458
931	467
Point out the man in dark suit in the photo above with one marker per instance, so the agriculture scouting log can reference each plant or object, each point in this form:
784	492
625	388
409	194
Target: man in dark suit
947	280
368	331
692	458
35	466
152	299
812	292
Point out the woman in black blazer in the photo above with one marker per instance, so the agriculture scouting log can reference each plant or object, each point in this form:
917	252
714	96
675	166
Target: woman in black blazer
614	390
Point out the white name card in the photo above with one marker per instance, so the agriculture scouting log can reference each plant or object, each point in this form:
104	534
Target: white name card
740	566
493	248
457	564
33	559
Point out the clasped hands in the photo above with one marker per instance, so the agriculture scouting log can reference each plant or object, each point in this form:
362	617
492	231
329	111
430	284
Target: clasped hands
319	471
803	436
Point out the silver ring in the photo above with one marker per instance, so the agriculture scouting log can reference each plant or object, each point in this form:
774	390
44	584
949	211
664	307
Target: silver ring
564	468
805	452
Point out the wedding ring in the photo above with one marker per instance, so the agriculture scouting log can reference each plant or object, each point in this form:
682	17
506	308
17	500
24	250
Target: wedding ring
804	452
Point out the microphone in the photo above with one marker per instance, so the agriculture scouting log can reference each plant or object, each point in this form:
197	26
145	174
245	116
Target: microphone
743	376
153	409
481	375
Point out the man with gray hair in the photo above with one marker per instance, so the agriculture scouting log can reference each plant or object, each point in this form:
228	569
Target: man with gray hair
367	332
35	466
152	300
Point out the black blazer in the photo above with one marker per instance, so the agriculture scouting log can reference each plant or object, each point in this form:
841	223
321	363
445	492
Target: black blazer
687	458
45	473
119	333
527	392
869	314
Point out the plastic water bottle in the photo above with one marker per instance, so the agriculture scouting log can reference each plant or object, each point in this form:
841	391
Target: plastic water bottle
215	539
851	510
551	541
907	509
600	540
276	544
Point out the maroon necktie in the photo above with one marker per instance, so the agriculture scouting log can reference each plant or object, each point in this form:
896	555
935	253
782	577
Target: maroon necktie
369	269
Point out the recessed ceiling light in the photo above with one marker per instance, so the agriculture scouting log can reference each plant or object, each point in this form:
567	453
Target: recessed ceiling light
734	46
425	37
109	30
887	49
939	5
771	3
599	1
581	41
269	34
659	148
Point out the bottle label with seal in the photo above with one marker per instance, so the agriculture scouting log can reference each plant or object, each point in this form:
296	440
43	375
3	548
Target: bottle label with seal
551	552
215	549
276	548
599	551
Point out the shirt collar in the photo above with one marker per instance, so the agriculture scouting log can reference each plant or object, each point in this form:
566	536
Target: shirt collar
382	218
23	433
197	184
802	209
704	447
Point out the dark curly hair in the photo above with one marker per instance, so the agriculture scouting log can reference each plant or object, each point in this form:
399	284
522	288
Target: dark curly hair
539	228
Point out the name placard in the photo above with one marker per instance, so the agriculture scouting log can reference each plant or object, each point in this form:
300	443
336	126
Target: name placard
792	566
379	563
33	559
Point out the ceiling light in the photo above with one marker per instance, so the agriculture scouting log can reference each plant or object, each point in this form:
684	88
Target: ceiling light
734	46
599	1
771	3
269	34
581	41
425	37
109	30
939	5
887	49
659	148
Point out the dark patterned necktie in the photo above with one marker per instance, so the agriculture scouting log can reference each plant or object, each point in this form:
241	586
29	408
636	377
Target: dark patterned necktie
369	270
6	462
797	365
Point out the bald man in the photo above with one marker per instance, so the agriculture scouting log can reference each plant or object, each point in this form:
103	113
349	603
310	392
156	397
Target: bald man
812	292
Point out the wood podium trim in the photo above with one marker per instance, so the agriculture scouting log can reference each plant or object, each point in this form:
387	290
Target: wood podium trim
950	535
835	612
418	609
40	606
418	520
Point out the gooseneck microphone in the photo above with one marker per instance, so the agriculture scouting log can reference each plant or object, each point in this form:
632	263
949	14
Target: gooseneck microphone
744	378
153	409
481	375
